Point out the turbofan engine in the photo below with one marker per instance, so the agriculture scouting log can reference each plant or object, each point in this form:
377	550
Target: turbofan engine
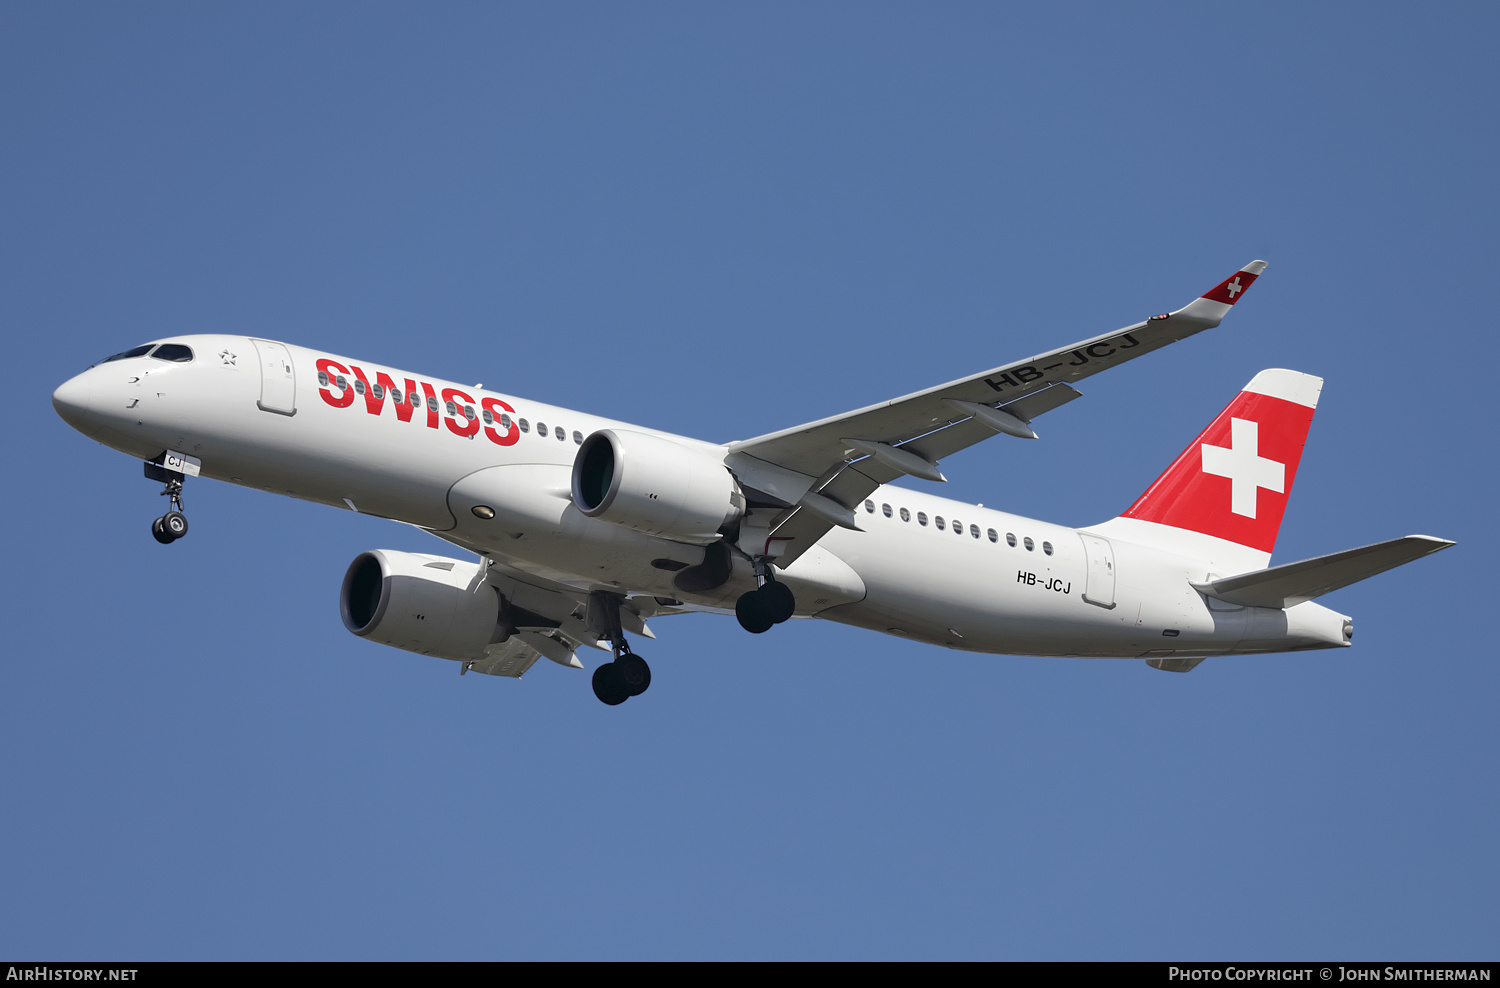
655	486
422	603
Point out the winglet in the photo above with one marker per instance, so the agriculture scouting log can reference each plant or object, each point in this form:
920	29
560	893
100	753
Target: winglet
1230	289
1214	304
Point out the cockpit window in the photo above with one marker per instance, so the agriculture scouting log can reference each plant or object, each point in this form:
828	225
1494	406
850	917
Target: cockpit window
139	351
175	352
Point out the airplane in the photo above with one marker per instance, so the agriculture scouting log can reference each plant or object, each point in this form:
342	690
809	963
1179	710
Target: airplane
584	528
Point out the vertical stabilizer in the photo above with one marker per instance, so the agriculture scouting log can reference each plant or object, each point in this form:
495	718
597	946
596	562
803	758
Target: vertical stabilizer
1223	499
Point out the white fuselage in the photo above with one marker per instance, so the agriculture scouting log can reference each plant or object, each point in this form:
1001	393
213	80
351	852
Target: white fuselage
958	582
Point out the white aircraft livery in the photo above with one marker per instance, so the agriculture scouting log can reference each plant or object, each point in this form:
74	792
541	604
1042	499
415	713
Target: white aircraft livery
586	528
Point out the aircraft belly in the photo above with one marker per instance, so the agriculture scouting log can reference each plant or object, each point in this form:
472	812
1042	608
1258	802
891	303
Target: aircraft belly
974	595
820	579
968	594
535	526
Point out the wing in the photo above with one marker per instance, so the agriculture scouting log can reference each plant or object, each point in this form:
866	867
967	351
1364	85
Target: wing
820	471
551	619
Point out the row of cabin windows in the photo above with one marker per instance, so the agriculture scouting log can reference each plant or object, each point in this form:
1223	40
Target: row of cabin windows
415	400
558	432
957	527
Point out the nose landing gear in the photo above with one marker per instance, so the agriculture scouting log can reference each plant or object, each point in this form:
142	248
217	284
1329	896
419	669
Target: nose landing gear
174	524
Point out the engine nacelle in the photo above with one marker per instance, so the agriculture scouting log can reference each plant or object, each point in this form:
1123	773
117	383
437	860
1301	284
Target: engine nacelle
421	603
655	486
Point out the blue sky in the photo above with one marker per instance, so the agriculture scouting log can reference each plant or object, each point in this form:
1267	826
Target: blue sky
724	220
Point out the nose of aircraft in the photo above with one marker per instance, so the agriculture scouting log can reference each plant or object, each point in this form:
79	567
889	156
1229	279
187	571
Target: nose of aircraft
74	402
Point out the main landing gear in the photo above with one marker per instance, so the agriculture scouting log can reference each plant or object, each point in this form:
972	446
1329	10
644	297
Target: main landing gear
625	677
173	525
771	603
628	674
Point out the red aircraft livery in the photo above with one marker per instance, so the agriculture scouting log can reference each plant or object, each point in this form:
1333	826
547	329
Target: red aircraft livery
1234	480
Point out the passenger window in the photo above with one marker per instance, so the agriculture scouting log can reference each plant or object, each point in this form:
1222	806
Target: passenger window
469	412
431	403
974	531
870	507
577	438
541	430
1030	545
525	426
359	386
905	515
505	422
937	523
139	351
885	509
1010	539
1047	548
452	408
560	433
378	392
994	535
323	378
922	518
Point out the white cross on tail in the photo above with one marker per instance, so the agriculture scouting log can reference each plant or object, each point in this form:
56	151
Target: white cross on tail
1246	469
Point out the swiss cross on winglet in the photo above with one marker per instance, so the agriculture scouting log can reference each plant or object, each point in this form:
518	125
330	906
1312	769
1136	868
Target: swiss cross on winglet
1230	290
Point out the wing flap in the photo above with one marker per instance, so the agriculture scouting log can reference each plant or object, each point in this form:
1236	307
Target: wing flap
800	528
511	658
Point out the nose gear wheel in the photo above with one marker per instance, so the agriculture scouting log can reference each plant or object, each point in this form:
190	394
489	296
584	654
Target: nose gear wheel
174	524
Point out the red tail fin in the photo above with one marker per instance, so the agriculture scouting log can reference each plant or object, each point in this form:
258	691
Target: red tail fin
1233	482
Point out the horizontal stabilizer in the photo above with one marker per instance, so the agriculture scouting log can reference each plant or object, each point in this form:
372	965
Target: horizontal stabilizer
1292	583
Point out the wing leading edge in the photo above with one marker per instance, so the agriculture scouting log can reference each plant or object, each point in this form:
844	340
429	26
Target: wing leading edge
822	469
